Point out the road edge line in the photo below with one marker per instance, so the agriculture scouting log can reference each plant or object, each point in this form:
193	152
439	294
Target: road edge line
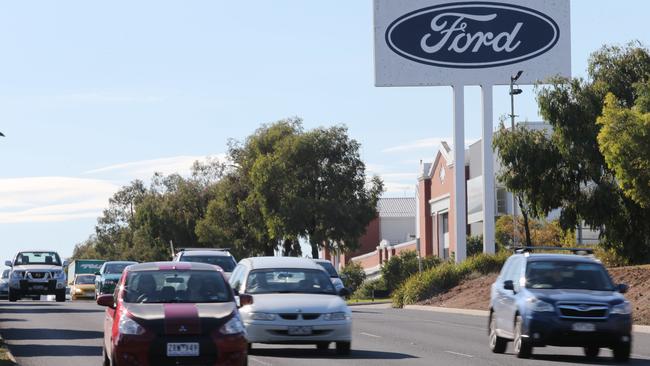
643	329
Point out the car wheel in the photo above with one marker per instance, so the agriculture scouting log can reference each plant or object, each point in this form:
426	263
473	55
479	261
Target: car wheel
622	352
497	344
343	348
60	296
250	348
13	295
591	351
322	346
523	348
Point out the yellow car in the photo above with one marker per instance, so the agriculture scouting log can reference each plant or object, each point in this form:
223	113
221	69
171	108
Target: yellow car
83	287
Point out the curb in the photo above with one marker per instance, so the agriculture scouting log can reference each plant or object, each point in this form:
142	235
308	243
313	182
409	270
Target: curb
644	329
371	303
438	309
9	354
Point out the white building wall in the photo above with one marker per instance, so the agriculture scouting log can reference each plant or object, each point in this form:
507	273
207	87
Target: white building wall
396	229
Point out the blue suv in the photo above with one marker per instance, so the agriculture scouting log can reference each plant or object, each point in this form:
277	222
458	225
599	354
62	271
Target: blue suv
559	300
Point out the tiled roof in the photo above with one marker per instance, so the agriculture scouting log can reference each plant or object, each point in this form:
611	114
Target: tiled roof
396	207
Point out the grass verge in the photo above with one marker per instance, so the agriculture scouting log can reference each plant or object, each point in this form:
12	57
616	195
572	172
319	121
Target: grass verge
434	281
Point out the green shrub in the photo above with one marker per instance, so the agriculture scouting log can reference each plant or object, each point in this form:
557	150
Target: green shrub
352	276
474	245
445	276
365	290
610	257
402	266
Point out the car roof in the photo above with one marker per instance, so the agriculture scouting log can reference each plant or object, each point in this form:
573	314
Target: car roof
282	262
206	253
157	266
560	257
84	274
322	261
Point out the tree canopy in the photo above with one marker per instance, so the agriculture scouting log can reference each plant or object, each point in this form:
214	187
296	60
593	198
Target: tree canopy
280	186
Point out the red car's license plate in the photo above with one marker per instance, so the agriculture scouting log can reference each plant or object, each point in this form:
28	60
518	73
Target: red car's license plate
182	349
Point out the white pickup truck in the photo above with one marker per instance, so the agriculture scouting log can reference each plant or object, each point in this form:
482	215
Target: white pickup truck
36	273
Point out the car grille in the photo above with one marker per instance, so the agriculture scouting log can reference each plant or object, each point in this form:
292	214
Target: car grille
38	275
315	332
294	316
583	311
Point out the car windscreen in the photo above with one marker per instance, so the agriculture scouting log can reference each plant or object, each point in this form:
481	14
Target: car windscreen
290	280
171	286
85	280
227	263
567	275
329	268
26	258
115	268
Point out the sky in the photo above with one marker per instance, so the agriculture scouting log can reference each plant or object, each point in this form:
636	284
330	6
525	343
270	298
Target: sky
96	94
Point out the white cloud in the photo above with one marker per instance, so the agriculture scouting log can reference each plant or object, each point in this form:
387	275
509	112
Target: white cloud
144	169
47	199
428	143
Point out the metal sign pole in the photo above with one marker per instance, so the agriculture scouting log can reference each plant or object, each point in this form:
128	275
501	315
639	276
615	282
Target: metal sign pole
460	224
488	171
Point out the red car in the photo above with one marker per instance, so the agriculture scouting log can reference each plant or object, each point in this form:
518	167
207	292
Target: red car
173	313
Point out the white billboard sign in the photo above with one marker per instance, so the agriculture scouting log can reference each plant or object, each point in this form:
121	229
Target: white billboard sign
455	42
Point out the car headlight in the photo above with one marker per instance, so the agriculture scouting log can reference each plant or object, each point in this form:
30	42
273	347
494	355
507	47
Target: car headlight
59	275
624	308
130	326
541	306
336	316
262	316
233	326
17	274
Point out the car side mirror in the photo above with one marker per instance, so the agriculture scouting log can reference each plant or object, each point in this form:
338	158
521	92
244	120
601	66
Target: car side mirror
106	300
344	292
65	264
622	288
509	285
9	264
245	299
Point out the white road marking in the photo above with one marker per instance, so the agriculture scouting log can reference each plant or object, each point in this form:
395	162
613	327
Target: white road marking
259	361
460	354
370	335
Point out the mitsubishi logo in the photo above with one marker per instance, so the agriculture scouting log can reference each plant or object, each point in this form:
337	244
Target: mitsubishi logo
182	329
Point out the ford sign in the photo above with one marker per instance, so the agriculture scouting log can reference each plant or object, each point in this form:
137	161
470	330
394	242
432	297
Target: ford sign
472	34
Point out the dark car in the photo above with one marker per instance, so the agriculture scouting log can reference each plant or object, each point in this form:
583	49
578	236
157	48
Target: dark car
172	313
108	275
559	300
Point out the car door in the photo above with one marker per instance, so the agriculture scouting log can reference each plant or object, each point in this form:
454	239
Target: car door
499	294
510	296
109	318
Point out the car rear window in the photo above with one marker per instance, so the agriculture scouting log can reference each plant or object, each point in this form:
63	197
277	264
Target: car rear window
171	286
567	275
226	263
329	268
116	268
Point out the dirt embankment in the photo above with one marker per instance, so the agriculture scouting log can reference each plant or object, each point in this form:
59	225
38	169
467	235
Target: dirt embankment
474	293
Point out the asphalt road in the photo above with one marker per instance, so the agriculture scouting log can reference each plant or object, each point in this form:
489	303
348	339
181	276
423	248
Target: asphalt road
52	334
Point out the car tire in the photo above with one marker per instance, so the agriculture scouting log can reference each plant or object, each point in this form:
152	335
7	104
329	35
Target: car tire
343	348
622	351
250	349
322	346
522	346
13	295
497	344
60	295
591	352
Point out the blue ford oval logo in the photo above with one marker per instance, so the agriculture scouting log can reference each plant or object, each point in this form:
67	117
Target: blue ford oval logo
472	35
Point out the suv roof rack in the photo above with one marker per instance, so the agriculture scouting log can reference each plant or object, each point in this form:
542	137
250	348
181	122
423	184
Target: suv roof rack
576	251
215	249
